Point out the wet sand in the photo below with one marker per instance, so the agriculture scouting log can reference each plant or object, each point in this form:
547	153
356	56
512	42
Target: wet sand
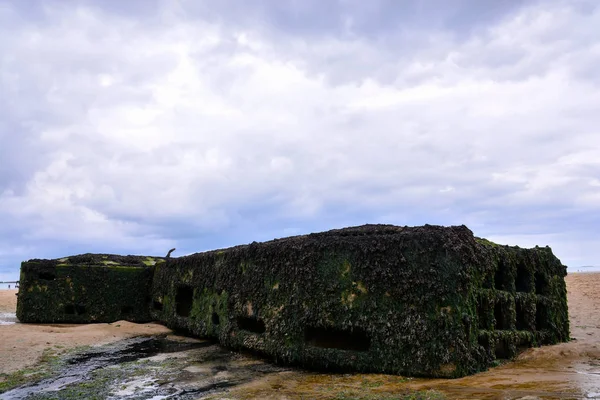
565	371
22	345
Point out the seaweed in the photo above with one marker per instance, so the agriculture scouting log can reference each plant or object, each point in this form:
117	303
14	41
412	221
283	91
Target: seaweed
418	301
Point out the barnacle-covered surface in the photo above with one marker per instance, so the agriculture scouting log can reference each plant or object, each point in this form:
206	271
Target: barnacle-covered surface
86	288
419	301
521	300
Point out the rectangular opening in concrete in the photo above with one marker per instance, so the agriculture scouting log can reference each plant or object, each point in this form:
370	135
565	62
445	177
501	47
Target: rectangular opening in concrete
523	344
330	338
47	276
521	322
72	309
499	317
126	310
251	324
483	341
482	316
500	277
523	279
215	318
501	351
183	301
157	305
541	316
541	283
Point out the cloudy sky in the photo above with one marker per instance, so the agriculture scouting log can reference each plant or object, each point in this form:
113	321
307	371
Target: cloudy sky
133	127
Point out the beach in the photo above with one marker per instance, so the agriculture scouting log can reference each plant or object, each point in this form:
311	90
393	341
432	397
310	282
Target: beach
23	345
566	371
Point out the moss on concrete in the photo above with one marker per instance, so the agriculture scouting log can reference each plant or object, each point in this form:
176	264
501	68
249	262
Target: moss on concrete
85	288
429	301
423	301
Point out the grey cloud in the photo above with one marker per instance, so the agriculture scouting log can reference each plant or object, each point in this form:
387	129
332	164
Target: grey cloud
372	19
205	128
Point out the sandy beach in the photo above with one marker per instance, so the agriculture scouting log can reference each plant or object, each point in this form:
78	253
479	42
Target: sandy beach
8	301
22	345
565	371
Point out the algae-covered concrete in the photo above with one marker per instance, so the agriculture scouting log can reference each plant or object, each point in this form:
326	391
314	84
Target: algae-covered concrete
422	301
86	288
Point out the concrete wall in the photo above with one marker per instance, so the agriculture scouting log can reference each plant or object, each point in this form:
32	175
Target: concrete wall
86	288
422	301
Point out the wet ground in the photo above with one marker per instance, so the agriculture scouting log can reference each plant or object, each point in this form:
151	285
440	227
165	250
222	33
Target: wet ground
181	368
7	318
146	368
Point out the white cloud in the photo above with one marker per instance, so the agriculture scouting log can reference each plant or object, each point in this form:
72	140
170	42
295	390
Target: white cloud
187	123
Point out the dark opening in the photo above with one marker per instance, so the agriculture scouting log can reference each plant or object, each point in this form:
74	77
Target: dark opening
500	277
541	283
521	320
499	317
251	324
523	280
215	318
126	310
355	340
157	305
183	301
523	344
484	341
501	351
47	276
541	317
482	317
75	309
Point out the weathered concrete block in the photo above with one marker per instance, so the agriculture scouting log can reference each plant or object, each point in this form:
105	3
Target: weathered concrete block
86	288
430	301
423	301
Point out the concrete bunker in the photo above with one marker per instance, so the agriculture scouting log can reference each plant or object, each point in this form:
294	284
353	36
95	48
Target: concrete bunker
418	301
86	288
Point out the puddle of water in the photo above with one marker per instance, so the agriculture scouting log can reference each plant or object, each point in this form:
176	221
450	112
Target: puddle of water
8	318
136	386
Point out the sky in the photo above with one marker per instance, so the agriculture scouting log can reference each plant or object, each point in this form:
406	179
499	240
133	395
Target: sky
133	127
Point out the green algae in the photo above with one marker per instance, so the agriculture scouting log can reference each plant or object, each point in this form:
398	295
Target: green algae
89	288
424	301
50	362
